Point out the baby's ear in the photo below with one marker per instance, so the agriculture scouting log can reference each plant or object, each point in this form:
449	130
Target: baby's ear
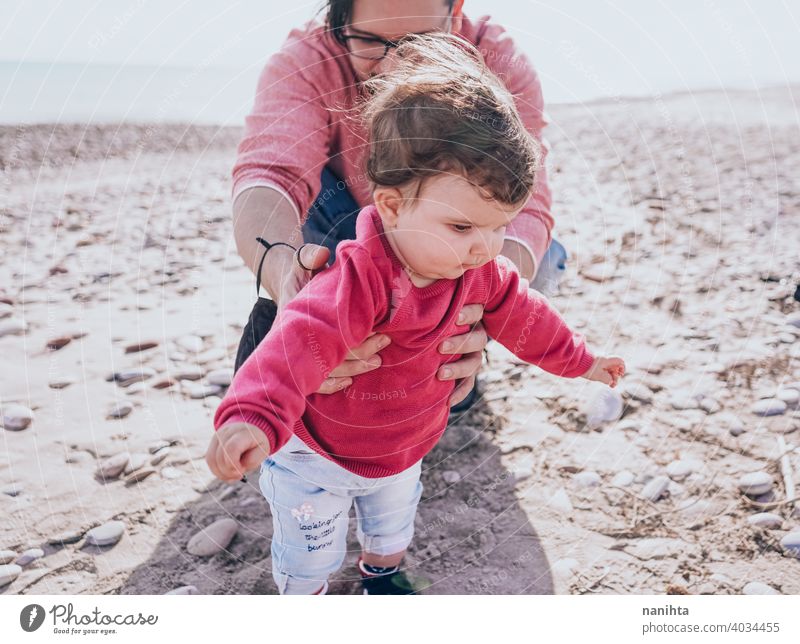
388	201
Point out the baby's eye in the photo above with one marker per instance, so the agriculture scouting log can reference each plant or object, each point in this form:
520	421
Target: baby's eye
459	228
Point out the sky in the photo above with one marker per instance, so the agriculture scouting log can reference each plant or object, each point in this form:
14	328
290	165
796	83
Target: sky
581	48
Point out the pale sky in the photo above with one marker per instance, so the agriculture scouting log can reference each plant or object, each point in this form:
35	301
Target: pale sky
581	48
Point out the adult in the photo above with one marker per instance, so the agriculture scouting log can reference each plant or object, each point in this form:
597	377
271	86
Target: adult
302	151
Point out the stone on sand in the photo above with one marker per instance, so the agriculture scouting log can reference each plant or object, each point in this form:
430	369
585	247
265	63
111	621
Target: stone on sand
106	535
213	539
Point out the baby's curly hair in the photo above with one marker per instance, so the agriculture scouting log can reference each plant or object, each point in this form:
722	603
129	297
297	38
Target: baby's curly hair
440	109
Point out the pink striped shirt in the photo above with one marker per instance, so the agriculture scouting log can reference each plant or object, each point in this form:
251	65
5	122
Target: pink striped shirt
302	121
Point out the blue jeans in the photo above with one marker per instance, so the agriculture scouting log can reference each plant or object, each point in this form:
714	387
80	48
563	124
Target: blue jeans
310	499
332	218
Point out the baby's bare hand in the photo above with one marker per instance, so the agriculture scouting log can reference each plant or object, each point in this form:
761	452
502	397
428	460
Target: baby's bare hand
236	449
607	370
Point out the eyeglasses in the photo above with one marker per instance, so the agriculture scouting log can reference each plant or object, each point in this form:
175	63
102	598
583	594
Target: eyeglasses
376	48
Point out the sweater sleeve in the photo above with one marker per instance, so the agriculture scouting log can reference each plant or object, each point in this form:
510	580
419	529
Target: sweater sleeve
523	321
534	223
287	133
333	313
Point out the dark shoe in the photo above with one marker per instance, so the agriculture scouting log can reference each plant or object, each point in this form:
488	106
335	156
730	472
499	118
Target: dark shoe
258	325
395	583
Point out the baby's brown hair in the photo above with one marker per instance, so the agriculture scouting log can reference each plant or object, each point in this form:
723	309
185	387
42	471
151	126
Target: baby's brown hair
440	109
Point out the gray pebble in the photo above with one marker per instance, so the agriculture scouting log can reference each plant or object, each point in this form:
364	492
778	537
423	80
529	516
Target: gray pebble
16	417
682	402
29	556
187	372
790	396
769	407
120	410
766	520
159	457
184	590
203	391
791	542
451	477
112	467
135	461
9	573
679	470
655	489
171	473
127	378
755	483
213	539
623	478
221	377
559	501
139	475
7	556
757	588
587	479
106	535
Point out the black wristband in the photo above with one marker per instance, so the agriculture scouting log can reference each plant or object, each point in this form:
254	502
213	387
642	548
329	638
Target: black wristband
268	246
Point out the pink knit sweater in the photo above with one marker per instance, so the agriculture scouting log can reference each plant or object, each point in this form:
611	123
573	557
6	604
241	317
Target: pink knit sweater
389	418
302	121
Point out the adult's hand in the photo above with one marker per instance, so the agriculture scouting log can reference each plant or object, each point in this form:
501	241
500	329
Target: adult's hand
471	345
360	359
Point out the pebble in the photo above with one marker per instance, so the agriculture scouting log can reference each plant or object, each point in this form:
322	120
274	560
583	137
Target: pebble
159	457
679	470
127	378
791	542
141	346
13	490
451	477
212	355
654	490
120	410
188	372
5	310
587	479
139	475
29	556
203	391
757	588
54	344
793	319
66	538
112	467
136	461
16	417
213	539
171	473
769	407
184	590
755	483
790	396
623	478
709	405
640	392
7	556
106	535
605	405
158	446
61	383
13	326
682	402
559	500
657	548
190	343
9	573
221	377
766	520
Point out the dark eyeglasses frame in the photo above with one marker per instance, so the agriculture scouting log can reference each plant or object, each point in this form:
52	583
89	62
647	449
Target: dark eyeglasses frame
387	44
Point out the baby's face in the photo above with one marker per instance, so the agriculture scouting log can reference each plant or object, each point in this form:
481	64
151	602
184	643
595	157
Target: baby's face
450	229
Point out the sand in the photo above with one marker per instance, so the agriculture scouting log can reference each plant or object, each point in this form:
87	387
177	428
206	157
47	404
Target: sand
682	218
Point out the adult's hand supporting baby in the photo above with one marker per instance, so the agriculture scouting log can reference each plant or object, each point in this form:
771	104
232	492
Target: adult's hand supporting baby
471	345
284	262
236	449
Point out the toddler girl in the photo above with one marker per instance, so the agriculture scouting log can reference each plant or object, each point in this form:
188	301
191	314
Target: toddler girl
451	165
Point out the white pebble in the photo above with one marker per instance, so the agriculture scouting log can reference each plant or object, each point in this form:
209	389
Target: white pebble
586	479
757	588
655	489
7	556
451	477
791	542
213	538
221	377
29	556
766	520
623	478
112	467
13	326
106	535
9	573
755	483
769	407
16	417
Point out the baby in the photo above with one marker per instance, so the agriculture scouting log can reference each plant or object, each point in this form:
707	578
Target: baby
451	164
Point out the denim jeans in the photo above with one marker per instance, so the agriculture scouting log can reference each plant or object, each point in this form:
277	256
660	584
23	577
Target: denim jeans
310	499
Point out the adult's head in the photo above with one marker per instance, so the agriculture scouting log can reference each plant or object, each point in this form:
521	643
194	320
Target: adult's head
370	28
450	159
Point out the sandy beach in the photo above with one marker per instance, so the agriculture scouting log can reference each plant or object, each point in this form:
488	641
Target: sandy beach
122	300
